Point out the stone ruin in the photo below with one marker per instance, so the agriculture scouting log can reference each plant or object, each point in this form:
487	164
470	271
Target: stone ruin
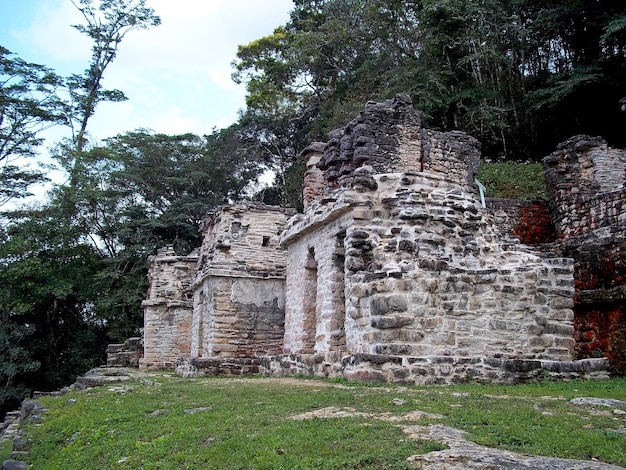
396	271
587	196
226	300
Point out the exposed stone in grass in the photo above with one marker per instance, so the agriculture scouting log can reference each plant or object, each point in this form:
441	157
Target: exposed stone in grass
333	412
463	454
193	411
597	402
13	465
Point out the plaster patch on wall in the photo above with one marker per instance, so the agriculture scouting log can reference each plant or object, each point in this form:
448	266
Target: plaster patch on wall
261	294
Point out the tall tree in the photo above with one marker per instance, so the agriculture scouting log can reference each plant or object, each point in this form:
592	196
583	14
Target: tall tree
106	24
51	259
520	75
28	105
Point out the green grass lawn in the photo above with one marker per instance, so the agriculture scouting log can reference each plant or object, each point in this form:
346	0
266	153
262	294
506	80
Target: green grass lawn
168	422
5	450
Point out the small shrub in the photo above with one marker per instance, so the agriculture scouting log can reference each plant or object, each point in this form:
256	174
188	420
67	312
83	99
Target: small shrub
513	180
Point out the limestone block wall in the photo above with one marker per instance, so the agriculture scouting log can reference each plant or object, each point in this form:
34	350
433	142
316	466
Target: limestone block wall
431	289
585	181
586	184
238	317
453	155
388	137
239	289
429	274
397	266
126	354
168	309
530	221
314	184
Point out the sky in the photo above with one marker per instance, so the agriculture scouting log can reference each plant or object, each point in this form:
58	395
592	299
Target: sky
176	75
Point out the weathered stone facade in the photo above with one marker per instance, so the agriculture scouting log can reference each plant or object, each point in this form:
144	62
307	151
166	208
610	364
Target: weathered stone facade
167	321
586	183
402	275
395	271
222	307
239	290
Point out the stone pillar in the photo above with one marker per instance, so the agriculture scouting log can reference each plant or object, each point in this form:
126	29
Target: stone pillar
314	185
168	309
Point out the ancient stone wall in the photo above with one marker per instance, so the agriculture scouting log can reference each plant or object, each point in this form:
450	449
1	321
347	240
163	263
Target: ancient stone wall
585	180
167	310
240	317
444	281
400	269
243	239
396	272
126	354
530	221
239	289
455	156
387	137
425	275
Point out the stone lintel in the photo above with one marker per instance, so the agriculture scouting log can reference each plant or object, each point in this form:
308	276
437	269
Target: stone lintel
167	303
308	225
230	273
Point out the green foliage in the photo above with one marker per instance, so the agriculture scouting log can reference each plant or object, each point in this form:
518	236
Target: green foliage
106	23
15	361
513	180
520	75
273	143
75	270
28	105
46	298
14	182
5	450
248	423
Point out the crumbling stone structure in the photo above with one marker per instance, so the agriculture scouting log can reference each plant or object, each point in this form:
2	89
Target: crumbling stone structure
586	183
167	320
126	354
239	290
395	271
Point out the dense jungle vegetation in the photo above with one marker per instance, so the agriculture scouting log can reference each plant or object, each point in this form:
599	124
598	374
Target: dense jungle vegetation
519	75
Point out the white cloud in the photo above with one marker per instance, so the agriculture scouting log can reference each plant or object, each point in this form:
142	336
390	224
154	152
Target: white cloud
175	121
52	33
221	77
176	75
